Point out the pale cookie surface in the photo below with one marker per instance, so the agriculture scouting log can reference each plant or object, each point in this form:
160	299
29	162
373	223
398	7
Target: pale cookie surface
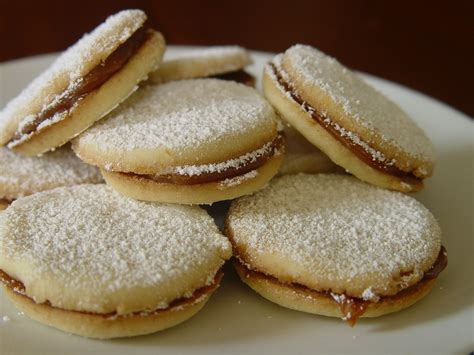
22	176
202	62
335	233
67	71
189	122
87	248
303	157
359	112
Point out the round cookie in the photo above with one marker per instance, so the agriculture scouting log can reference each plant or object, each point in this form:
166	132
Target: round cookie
351	122
22	176
303	157
222	62
332	245
190	141
86	82
86	260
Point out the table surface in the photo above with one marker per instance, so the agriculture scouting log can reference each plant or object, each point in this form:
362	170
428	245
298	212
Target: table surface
428	48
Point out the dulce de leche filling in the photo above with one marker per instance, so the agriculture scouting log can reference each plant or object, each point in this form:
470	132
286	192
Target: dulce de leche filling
19	288
240	76
88	83
253	162
329	126
352	308
4	203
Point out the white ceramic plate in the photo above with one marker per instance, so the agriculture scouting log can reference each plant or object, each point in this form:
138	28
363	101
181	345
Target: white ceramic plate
237	320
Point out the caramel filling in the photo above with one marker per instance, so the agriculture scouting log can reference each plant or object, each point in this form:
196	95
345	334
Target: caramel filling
207	177
330	127
88	83
19	288
352	308
240	76
5	202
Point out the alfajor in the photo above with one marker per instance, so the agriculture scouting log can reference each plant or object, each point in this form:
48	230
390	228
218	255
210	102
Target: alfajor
355	125
22	176
303	157
220	62
332	245
86	82
190	141
88	261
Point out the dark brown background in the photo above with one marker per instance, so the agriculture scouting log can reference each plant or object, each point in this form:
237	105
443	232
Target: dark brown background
426	45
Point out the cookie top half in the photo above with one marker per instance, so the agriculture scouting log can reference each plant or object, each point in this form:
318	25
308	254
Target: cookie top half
357	110
22	176
87	248
335	233
201	62
187	122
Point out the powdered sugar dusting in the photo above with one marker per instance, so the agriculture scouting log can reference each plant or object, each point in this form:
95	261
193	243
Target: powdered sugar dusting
339	229
192	170
339	298
360	101
88	236
237	180
369	295
181	115
65	74
21	175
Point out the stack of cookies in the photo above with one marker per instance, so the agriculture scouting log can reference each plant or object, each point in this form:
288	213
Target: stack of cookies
333	234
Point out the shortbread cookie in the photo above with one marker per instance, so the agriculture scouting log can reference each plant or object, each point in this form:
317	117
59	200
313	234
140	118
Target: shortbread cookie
22	176
86	260
221	62
85	83
303	157
332	245
351	122
189	141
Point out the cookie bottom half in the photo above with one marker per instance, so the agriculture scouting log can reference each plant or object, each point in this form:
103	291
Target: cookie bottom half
303	299
146	189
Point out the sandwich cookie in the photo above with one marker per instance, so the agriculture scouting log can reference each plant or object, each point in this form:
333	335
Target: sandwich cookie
190	141
303	157
85	83
220	62
88	261
332	245
351	122
21	175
